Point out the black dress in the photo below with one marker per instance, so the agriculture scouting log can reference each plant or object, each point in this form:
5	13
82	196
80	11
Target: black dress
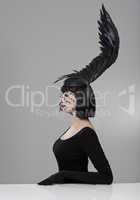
72	159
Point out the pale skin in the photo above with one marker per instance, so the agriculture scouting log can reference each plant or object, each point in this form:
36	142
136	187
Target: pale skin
68	104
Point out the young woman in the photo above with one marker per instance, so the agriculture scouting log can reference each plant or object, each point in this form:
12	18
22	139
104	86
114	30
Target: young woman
80	141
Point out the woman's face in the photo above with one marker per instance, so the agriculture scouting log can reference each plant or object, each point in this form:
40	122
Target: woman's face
67	102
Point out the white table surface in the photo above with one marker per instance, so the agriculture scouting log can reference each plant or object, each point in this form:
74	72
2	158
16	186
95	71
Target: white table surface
116	191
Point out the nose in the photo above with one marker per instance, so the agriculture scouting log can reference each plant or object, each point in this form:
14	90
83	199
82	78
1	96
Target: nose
63	98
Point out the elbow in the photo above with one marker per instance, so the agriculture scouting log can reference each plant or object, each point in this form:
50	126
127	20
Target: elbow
109	179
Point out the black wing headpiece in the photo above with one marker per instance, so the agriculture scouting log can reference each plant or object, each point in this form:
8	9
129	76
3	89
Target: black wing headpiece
109	40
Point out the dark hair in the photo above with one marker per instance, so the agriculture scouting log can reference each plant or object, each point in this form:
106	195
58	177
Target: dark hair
85	98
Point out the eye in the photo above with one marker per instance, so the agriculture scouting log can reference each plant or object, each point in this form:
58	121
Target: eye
66	95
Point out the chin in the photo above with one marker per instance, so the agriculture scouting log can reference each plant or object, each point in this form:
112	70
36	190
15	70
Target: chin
67	111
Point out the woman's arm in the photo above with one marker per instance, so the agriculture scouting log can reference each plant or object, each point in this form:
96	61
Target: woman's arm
90	144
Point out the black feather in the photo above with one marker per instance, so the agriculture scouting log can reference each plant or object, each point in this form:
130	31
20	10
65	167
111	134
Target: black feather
109	41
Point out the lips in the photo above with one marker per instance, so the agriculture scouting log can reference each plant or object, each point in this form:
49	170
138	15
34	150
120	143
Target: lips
61	105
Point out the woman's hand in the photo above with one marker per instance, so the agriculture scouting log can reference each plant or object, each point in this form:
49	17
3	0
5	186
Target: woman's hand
53	179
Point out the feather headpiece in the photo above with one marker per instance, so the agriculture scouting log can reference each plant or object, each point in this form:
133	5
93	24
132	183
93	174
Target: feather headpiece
109	40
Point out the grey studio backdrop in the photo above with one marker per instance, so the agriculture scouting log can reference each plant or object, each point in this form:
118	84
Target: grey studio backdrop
41	40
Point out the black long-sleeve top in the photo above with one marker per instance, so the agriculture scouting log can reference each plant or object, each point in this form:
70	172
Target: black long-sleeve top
72	159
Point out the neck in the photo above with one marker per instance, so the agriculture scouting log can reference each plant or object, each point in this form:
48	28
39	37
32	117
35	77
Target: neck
76	121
